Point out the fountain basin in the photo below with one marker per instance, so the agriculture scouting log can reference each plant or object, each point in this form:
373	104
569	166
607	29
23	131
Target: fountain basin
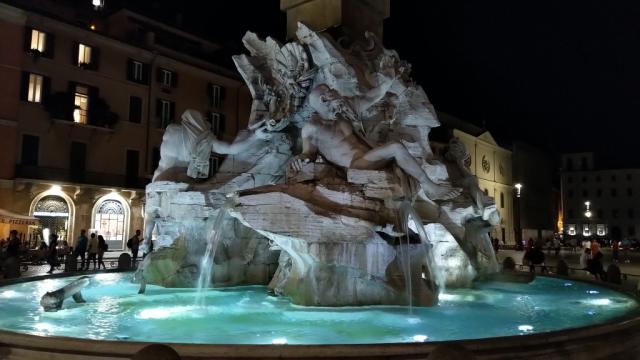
548	317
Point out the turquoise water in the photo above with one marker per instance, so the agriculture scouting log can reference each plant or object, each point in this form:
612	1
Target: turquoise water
247	315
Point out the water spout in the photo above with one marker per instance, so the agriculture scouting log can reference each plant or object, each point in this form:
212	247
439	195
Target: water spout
206	263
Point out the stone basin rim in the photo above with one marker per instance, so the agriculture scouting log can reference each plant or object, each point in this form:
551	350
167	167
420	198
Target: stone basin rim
516	346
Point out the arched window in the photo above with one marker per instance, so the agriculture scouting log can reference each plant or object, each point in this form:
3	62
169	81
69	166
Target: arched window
109	221
53	213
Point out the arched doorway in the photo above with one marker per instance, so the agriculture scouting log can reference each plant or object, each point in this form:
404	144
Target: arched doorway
110	218
54	214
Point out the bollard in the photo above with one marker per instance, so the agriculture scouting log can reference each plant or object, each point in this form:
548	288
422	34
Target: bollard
124	261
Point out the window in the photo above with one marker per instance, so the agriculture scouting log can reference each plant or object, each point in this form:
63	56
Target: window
585	193
132	166
135	109
30	150
35	88
137	71
215	95
631	231
599	192
614	192
586	230
166	77
38	40
571	229
77	160
155	158
216	120
569	164
629	192
165	111
630	213
501	200
600	230
84	54
214	164
109	222
81	104
615	213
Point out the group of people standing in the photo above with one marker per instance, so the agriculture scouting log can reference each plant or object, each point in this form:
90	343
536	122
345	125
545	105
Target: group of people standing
90	249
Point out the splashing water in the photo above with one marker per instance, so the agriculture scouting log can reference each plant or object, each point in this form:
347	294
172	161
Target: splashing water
206	263
410	220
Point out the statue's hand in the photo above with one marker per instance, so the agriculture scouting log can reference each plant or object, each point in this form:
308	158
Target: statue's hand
298	162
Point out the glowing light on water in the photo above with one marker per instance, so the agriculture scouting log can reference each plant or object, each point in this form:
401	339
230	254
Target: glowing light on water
420	338
525	328
279	341
166	312
598	302
448	297
9	294
568	284
593	292
414	320
44	327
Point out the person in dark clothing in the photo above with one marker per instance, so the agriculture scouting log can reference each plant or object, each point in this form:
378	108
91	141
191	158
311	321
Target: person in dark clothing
52	254
594	265
102	248
81	248
535	257
13	247
134	245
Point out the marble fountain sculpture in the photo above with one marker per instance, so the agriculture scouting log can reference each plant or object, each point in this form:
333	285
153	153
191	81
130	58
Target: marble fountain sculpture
332	196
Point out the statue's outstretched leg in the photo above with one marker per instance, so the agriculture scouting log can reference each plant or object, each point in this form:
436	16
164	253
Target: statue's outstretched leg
380	156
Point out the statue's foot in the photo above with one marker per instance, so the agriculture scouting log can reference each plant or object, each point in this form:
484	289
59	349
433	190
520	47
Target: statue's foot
441	192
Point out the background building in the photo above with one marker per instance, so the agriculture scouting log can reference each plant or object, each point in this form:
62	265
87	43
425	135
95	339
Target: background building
83	107
490	162
612	194
538	204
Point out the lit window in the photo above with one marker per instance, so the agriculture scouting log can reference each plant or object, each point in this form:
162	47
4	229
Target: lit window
81	103
600	230
38	39
586	230
137	71
110	222
35	88
84	54
166	77
571	229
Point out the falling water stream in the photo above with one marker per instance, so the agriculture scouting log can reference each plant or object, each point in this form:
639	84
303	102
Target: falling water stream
408	215
206	263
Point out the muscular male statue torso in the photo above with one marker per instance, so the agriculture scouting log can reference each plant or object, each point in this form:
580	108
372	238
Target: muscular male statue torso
336	141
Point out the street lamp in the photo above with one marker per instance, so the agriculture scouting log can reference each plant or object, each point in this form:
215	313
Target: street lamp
516	216
518	187
97	4
587	213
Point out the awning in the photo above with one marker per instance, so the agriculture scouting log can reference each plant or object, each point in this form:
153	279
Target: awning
8	217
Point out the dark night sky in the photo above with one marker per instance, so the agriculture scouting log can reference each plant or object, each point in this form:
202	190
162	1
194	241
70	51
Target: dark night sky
560	74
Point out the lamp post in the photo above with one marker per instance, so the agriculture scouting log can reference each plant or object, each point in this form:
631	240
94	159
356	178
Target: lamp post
516	215
587	214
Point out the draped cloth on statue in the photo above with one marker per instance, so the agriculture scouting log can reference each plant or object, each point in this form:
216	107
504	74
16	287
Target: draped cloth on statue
197	141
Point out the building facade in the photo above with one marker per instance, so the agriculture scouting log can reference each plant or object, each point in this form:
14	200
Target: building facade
597	202
492	165
83	110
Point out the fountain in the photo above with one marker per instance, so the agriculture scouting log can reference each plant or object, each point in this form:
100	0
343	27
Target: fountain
328	220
